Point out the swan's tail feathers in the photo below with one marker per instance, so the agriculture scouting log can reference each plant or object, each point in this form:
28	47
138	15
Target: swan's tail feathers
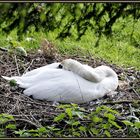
7	78
16	78
10	78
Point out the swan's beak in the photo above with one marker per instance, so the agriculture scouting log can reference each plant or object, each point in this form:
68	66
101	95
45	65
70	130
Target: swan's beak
60	66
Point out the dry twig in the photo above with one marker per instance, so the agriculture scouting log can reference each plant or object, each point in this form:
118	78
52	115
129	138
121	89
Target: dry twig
17	65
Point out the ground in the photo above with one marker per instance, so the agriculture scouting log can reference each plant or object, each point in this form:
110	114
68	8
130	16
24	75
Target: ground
30	113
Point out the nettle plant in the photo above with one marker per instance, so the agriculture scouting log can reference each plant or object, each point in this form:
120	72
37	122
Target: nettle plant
75	121
132	127
5	124
80	123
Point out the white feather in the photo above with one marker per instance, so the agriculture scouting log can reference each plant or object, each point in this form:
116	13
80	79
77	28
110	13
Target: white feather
68	86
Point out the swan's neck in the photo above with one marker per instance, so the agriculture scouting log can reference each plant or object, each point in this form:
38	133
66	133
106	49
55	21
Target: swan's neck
84	71
92	74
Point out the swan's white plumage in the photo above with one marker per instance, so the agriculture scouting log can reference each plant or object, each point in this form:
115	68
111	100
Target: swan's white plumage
73	83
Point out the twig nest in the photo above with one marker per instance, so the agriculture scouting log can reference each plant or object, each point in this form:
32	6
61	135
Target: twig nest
123	85
48	50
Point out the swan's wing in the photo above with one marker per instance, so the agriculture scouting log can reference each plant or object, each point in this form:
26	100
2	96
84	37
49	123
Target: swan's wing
36	71
43	75
37	75
63	89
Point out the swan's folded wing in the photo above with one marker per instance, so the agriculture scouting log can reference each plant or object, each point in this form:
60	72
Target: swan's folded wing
38	70
63	90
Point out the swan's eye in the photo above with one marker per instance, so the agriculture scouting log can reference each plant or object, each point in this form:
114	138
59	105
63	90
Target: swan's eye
60	66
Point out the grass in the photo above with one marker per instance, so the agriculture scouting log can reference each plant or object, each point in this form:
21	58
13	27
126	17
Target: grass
122	48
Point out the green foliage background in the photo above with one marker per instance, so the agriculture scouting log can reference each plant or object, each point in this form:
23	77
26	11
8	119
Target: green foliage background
107	30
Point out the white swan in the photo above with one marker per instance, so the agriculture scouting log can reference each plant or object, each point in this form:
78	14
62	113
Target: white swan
74	83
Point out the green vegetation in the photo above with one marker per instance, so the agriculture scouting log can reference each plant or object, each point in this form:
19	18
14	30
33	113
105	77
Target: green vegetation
74	121
121	48
106	30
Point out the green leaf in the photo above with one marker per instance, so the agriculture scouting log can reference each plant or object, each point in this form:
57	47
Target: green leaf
107	133
137	124
74	105
11	126
5	117
70	122
35	135
64	106
41	129
60	117
82	128
110	110
22	133
26	134
23	13
32	131
79	114
69	112
94	131
128	123
42	16
76	134
109	116
52	128
96	119
98	109
106	125
12	83
76	123
115	124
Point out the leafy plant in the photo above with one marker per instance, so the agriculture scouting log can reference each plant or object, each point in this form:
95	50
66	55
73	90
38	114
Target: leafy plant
103	120
5	117
75	121
133	128
97	123
39	132
6	123
12	83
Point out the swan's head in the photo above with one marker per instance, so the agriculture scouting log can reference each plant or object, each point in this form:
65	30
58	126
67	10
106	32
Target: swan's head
66	64
69	64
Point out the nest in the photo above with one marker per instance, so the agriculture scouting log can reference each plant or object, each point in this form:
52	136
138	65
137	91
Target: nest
32	113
